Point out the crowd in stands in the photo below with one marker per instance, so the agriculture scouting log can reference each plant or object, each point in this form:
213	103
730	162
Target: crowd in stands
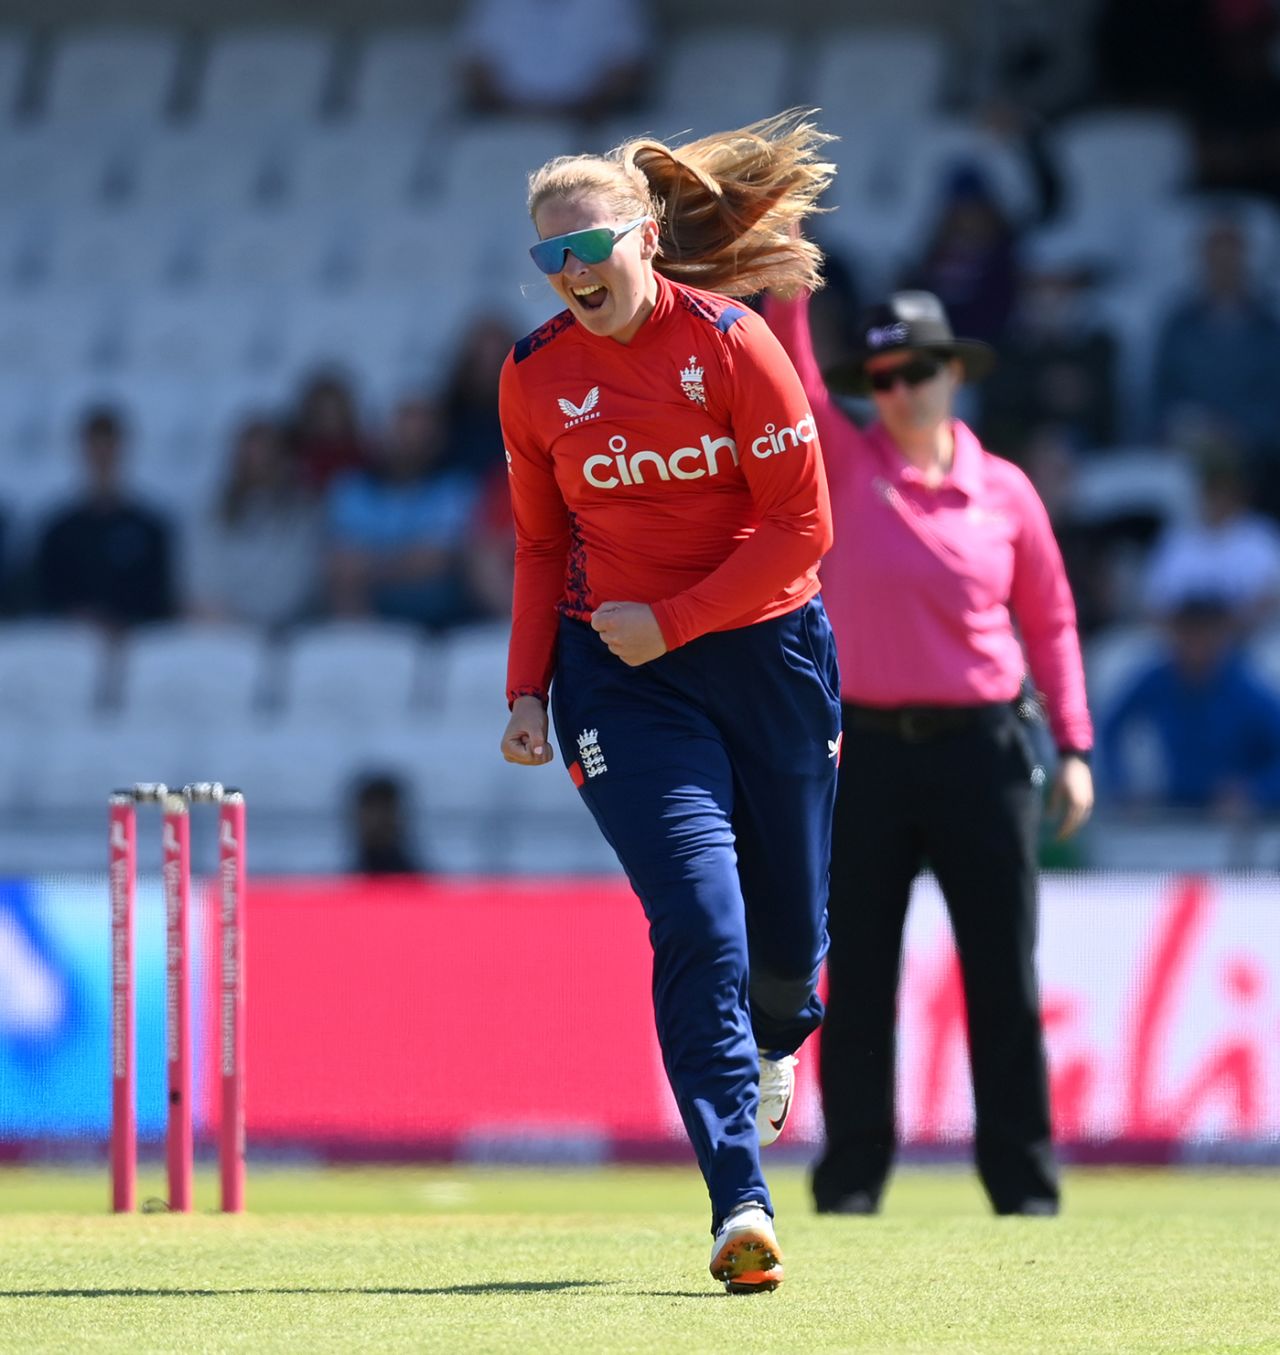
330	505
316	515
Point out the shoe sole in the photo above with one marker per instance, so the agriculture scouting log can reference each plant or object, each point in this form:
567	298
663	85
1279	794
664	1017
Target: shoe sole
748	1263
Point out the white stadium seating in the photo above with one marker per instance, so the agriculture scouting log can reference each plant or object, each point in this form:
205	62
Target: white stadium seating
191	222
119	73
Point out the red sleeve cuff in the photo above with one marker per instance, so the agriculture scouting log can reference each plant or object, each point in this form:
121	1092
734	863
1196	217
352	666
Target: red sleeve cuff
515	692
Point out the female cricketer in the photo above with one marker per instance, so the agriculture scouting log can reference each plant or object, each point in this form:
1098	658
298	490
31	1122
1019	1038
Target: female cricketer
671	509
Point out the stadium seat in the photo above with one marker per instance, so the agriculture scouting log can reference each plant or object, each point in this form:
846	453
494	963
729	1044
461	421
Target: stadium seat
1147	481
266	75
352	673
289	767
51	672
54	334
198	169
224	335
1115	166
486	172
73	769
1107	155
1132	311
127	252
123	74
22	252
416	249
687	101
370	336
473	667
404	76
281	251
181	673
378	169
53	168
886	73
13	67
26	421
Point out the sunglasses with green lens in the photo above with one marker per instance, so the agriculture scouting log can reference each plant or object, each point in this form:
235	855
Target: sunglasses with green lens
590	246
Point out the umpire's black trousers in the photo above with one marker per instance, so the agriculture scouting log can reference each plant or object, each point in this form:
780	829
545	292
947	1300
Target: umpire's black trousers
953	790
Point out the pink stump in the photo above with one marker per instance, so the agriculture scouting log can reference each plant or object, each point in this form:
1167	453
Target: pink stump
122	865
231	1038
176	871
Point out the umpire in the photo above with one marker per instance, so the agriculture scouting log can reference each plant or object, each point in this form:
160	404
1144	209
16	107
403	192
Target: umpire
944	569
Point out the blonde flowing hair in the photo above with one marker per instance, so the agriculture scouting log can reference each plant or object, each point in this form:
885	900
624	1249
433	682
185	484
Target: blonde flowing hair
728	206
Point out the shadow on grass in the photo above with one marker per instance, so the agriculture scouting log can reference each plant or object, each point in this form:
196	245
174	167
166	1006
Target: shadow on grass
493	1287
680	1293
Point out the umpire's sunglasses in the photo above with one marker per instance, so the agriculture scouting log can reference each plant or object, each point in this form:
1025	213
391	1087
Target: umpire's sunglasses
591	246
913	373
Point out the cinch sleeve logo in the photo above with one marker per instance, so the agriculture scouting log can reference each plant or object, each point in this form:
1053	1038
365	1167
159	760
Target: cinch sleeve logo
776	440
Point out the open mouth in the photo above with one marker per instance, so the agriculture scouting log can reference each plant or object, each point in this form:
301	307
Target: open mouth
592	297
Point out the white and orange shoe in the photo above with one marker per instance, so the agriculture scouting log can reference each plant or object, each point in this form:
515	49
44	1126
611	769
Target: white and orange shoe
777	1091
745	1256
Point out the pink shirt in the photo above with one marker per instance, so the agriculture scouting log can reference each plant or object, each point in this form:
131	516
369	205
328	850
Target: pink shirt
923	584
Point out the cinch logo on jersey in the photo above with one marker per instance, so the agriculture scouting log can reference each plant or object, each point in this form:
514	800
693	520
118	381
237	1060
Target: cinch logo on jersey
638	468
622	467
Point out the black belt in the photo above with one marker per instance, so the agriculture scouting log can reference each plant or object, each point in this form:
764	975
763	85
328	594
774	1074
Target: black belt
915	724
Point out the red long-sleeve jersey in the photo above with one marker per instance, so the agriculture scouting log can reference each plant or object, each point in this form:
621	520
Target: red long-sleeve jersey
681	470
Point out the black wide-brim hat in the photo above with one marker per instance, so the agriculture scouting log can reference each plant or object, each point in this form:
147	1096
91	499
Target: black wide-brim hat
907	320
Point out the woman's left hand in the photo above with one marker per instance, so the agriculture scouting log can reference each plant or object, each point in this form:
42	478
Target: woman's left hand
631	631
1072	795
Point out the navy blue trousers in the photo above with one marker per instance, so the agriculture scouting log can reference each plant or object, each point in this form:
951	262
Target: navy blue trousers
712	773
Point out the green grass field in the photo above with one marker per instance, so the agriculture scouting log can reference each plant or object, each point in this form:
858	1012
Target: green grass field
447	1260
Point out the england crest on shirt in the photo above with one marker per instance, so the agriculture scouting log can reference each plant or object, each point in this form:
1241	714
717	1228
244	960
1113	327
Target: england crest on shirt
691	382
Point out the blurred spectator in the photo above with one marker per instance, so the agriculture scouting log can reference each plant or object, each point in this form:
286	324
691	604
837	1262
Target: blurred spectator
1199	729
490	555
378	823
325	436
1059	364
1237	108
1230	551
1218	352
1034	57
1151	51
7	588
563	58
397	529
257	556
105	557
834	312
970	261
1089	547
469	401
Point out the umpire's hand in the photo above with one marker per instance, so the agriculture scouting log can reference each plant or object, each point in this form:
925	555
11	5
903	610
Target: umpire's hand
1072	795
